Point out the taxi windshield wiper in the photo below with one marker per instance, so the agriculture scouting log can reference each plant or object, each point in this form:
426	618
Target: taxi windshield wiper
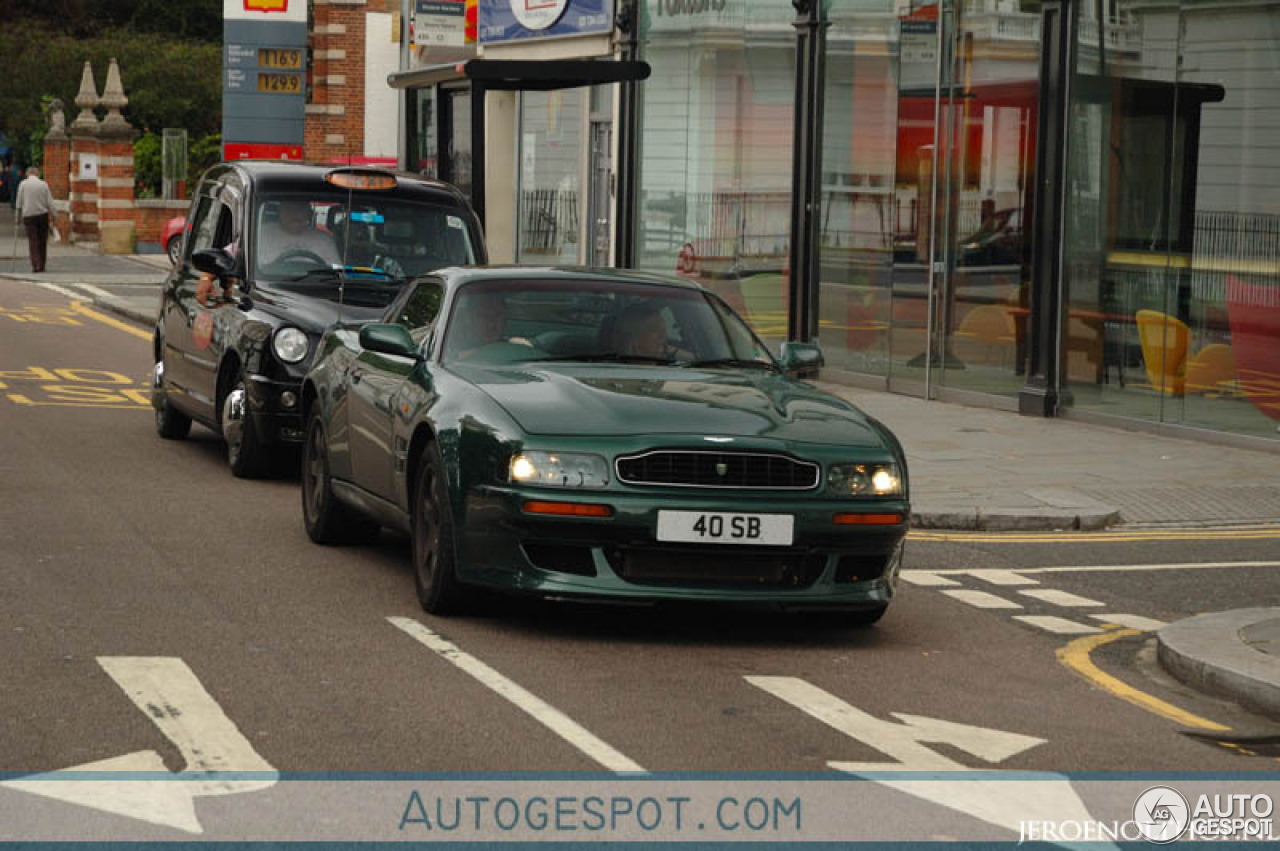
348	272
733	362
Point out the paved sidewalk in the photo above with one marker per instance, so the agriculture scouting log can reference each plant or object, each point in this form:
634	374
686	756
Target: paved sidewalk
1235	654
74	264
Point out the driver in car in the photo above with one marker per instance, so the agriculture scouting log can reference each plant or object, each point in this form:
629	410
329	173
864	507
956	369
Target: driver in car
294	237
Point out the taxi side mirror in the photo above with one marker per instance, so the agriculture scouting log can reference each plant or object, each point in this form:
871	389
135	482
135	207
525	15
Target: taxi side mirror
215	261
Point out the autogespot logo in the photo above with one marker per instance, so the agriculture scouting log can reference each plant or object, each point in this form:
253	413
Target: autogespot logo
1161	814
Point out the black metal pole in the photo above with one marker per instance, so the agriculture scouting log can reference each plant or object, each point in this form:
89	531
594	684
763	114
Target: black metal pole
1043	392
477	148
626	213
806	192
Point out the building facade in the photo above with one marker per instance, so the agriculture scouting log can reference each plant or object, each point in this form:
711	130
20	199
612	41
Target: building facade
1059	207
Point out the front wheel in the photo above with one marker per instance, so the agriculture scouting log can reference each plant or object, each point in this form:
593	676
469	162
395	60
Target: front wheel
245	453
174	249
434	561
327	519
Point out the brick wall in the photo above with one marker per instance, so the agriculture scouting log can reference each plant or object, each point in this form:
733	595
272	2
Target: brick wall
83	193
115	180
335	115
150	216
57	167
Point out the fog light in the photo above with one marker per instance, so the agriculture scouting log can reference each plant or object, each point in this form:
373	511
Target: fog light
288	398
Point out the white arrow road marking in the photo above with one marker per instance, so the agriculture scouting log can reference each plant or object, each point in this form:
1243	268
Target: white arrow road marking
981	599
544	713
168	693
1006	803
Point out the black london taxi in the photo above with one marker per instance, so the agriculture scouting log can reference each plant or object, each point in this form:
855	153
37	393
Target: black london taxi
275	254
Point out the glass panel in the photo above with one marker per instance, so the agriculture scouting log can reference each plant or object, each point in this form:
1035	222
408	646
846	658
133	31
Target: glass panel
550	169
459	153
989	113
422	139
716	147
1228	295
859	204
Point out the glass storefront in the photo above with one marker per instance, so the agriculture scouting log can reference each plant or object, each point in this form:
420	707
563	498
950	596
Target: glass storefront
1173	242
928	160
714	190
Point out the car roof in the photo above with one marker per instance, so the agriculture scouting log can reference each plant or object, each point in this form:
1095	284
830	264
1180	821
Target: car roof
284	175
457	276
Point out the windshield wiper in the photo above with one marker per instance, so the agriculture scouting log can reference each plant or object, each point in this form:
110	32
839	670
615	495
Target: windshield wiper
734	362
611	357
348	272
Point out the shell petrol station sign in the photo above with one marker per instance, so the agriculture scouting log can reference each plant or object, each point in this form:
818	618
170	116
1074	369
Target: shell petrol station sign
264	63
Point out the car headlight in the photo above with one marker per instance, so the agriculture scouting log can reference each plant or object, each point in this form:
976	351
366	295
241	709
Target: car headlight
290	345
864	480
559	470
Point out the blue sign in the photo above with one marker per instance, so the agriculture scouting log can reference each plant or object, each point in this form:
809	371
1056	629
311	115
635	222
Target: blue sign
513	20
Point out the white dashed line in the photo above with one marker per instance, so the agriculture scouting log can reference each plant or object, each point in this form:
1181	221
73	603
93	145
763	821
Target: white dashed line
925	579
1130	621
1056	625
541	711
1002	577
982	600
1060	598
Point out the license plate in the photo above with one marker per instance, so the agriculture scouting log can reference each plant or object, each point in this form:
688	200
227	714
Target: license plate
722	527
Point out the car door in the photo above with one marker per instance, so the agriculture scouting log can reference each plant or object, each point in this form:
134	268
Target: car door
182	347
377	385
198	344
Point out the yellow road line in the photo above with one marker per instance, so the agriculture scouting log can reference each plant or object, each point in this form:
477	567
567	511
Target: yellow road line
19	399
1076	657
79	307
1097	537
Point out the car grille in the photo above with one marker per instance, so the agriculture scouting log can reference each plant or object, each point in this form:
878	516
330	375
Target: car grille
716	568
702	469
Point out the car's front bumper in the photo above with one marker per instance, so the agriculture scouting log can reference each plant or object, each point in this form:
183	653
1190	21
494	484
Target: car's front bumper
276	409
619	557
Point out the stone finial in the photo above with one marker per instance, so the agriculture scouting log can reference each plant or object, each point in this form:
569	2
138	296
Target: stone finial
114	100
86	122
57	120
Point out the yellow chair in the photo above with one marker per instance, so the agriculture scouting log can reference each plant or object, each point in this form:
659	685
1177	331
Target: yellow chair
991	325
1211	368
1164	350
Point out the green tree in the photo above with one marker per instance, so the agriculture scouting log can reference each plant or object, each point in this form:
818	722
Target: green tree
148	176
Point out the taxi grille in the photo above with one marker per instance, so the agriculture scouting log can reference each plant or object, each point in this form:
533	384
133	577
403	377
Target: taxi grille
701	469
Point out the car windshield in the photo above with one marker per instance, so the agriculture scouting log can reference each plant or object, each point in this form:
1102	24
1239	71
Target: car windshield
368	237
610	321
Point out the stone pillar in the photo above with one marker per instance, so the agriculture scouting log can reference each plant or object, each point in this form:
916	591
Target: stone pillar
57	166
84	163
116	215
334	127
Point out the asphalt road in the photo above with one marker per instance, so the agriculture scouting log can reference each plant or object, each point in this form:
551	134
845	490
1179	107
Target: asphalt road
114	543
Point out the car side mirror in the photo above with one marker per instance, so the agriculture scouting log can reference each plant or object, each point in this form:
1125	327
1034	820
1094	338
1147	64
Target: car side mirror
215	261
388	340
802	358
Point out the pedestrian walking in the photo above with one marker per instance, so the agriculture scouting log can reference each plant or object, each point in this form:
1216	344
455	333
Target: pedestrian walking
34	208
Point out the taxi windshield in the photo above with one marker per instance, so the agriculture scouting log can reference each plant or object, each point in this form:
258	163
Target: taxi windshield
299	238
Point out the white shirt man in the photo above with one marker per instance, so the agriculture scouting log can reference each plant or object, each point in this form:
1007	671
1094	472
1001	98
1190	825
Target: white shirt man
34	207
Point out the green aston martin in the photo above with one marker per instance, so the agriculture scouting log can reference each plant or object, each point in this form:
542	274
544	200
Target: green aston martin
598	434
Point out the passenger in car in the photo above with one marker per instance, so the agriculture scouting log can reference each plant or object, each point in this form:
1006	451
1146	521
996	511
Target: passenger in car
641	331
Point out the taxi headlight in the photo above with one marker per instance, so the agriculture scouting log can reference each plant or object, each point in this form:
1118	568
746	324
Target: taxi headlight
559	470
290	345
864	480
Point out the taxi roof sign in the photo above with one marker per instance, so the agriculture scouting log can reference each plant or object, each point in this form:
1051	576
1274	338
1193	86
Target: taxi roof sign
361	179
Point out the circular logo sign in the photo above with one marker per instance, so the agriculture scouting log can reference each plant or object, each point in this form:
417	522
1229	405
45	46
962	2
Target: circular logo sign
1161	814
538	14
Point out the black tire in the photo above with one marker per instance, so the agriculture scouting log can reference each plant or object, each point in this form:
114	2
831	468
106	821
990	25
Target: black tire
246	455
434	559
327	519
173	248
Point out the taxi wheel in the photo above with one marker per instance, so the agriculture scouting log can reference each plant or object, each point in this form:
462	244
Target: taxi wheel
328	520
245	452
434	562
171	424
